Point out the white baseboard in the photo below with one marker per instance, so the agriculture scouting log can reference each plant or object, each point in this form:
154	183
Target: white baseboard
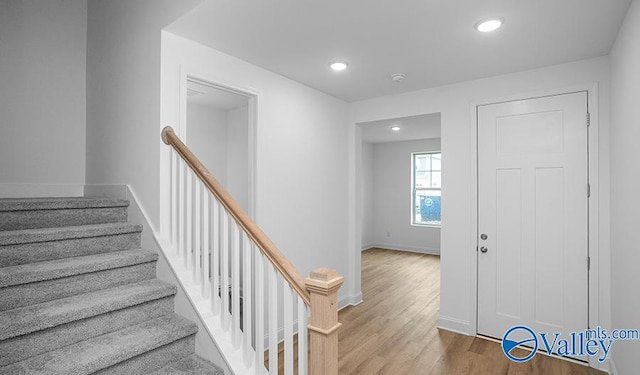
352	300
368	246
409	248
460	326
612	367
40	190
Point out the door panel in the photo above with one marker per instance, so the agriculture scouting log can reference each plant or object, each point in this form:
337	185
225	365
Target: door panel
533	207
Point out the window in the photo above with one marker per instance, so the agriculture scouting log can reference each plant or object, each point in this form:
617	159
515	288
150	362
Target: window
425	208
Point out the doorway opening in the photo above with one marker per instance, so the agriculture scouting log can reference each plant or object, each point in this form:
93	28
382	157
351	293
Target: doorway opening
219	129
400	190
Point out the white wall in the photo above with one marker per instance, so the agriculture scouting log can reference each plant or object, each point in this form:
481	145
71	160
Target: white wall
392	227
238	155
301	148
456	103
625	179
366	196
42	95
207	138
123	94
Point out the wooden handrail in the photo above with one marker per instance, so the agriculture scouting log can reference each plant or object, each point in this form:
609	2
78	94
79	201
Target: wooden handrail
266	246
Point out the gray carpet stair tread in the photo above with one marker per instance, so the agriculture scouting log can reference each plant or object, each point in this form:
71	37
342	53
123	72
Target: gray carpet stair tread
59	268
192	365
103	351
45	315
32	204
22	236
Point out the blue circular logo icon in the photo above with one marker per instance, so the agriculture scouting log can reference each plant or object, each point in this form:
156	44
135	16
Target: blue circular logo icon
516	336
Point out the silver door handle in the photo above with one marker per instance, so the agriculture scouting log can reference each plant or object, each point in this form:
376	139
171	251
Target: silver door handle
483	249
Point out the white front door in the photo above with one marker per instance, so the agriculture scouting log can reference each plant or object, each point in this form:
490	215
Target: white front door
533	212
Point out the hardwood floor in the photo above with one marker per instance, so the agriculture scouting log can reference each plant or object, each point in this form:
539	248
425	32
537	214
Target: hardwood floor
394	330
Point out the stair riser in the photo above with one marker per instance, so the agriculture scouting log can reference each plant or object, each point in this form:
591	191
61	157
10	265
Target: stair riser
154	359
15	220
32	293
26	346
13	255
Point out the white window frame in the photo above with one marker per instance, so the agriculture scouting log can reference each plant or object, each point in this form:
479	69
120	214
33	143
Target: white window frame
414	189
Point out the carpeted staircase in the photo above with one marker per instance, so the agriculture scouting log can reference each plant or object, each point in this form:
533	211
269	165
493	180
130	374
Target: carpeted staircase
79	296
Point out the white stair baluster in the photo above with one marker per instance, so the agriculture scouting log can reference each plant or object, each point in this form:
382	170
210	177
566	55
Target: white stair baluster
181	198
197	274
260	313
224	275
189	228
288	328
302	337
247	298
235	285
273	320
206	245
174	198
215	258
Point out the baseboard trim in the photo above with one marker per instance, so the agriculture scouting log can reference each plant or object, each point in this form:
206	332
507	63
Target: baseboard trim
460	326
411	249
352	300
612	367
40	190
366	246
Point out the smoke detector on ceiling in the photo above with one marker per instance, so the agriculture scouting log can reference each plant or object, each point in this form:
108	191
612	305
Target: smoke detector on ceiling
398	77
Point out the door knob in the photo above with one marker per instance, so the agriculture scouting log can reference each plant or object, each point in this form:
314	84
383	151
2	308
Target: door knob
483	236
483	249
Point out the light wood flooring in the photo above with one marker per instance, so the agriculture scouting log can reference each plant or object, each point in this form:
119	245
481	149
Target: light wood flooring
394	330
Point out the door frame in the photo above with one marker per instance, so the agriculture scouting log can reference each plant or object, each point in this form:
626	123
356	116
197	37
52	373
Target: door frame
186	73
593	201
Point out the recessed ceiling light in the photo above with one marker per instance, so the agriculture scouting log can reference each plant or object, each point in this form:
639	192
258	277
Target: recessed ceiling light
338	66
395	128
489	25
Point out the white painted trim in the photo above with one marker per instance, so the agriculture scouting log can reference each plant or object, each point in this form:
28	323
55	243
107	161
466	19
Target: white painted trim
594	201
354	216
367	246
407	248
352	300
612	367
40	190
223	343
462	327
253	96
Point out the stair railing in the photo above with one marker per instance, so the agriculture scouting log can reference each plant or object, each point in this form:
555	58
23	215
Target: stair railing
243	287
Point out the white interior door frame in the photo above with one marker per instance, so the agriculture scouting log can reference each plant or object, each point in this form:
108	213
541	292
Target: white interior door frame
594	202
180	100
206	78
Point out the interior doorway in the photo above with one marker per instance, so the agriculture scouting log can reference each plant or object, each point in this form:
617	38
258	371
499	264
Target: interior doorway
400	192
219	130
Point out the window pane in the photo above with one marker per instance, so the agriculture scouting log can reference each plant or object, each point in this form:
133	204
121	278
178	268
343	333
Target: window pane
435	179
427	209
435	162
426	189
423	179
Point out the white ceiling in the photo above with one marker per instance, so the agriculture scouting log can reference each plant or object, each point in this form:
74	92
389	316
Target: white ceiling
411	128
433	42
